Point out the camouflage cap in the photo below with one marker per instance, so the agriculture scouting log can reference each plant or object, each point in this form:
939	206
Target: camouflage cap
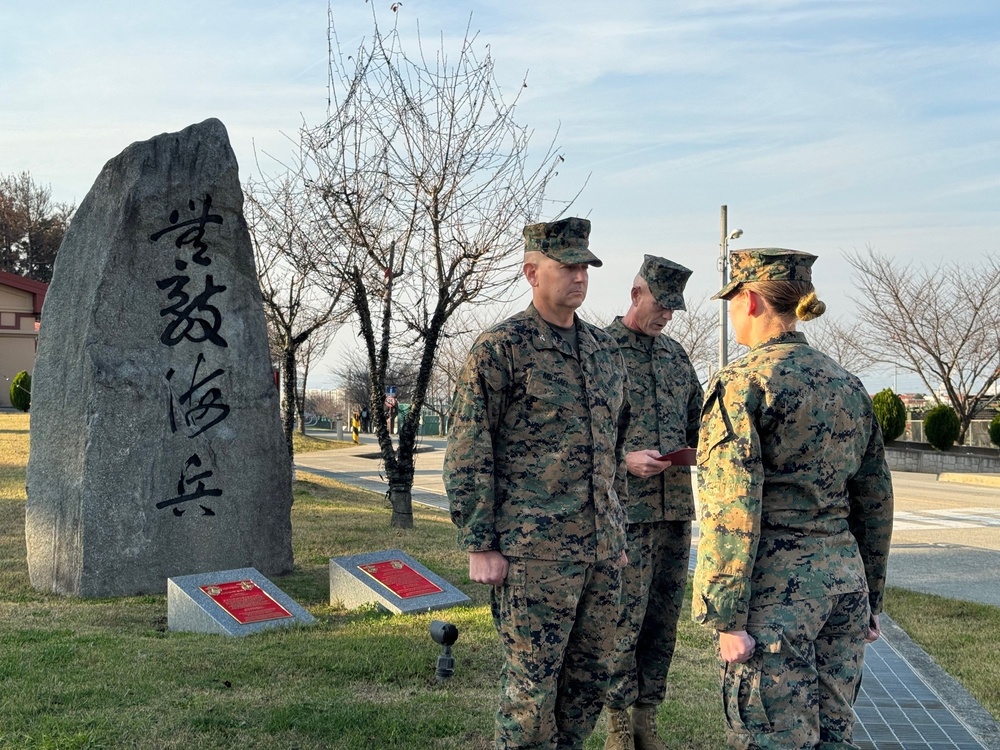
565	240
766	264
666	281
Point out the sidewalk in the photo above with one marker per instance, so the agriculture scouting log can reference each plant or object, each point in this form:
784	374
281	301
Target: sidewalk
907	702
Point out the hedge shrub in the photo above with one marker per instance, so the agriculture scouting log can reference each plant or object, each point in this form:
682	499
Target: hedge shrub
995	430
20	391
941	427
890	413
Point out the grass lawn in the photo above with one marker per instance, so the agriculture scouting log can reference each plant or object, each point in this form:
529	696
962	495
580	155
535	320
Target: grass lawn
306	443
108	674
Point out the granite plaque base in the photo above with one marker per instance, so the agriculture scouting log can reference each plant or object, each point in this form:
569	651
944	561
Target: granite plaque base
392	580
230	602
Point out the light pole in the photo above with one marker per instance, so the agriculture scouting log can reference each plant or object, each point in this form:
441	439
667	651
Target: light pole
725	235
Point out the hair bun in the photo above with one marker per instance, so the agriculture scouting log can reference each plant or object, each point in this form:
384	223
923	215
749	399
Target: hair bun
809	307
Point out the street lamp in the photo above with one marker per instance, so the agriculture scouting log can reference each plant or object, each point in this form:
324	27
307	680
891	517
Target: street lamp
726	236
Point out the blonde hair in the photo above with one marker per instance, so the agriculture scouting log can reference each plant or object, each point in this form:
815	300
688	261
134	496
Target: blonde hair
790	298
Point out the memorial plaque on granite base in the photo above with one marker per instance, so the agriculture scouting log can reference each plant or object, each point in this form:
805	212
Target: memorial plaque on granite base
230	602
392	580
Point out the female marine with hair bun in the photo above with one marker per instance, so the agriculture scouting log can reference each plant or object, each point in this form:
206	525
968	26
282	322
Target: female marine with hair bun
795	509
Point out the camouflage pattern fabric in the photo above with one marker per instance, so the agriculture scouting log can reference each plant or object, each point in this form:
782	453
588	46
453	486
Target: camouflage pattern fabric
534	465
796	502
566	240
796	497
535	468
766	264
653	586
556	622
666	281
798	688
665	399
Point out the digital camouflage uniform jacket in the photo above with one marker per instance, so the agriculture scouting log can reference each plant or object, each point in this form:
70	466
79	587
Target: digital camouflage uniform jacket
795	493
535	465
665	399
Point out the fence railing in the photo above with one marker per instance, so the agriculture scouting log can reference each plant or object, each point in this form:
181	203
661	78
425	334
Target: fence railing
977	437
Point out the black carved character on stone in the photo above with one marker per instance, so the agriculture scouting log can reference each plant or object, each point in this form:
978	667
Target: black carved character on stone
201	402
194	319
195	232
185	482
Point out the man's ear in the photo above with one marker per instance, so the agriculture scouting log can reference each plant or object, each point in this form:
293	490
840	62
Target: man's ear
636	292
530	272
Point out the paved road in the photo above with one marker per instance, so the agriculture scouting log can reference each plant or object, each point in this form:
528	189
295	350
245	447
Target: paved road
946	536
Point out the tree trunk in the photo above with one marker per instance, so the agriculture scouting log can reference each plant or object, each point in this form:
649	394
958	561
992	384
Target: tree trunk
288	396
401	499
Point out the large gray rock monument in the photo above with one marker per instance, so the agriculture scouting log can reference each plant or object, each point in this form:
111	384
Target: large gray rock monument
156	445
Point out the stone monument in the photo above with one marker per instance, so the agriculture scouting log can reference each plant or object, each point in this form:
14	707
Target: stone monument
156	444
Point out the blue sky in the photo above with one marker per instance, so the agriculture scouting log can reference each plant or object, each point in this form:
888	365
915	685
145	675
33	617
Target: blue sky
826	126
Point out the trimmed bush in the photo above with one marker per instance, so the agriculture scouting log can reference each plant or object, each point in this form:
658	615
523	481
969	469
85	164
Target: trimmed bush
995	430
20	391
890	413
941	427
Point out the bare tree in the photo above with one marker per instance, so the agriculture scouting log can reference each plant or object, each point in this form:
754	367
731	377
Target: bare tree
32	227
359	392
453	349
426	182
941	324
296	308
697	330
840	339
310	351
322	405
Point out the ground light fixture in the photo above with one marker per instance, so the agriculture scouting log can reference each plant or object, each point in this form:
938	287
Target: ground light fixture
446	634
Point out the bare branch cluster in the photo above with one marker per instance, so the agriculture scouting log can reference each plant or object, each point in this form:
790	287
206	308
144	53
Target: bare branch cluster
697	330
301	314
32	227
423	180
942	324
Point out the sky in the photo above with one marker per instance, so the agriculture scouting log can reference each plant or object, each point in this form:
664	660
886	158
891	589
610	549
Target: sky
829	126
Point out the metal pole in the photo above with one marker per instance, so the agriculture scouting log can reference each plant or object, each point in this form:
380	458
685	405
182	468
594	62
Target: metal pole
724	268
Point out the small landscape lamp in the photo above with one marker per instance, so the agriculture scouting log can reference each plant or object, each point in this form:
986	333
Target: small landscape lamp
446	634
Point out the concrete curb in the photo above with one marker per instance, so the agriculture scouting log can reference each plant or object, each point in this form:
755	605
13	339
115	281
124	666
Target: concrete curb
976	718
983	480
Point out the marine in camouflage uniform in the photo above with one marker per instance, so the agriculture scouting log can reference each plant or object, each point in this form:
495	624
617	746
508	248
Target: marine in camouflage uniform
665	398
535	475
795	521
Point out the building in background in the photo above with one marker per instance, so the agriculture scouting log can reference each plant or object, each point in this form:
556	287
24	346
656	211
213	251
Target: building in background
20	312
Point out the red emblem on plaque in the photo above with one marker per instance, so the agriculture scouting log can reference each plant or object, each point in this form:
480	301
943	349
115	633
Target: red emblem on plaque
401	579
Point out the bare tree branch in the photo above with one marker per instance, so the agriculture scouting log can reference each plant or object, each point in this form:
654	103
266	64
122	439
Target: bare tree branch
424	181
941	324
296	308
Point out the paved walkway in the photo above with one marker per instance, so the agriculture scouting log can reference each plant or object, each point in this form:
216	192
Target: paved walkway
907	702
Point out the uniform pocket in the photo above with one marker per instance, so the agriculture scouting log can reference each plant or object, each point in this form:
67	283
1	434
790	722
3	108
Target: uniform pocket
514	609
742	702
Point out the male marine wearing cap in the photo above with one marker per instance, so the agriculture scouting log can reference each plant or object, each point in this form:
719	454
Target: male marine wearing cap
665	398
535	474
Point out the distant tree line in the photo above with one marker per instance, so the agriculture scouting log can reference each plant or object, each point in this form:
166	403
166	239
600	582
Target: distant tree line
32	227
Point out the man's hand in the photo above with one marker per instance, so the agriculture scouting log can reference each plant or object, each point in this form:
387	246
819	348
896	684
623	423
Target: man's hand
874	631
645	463
488	567
736	646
